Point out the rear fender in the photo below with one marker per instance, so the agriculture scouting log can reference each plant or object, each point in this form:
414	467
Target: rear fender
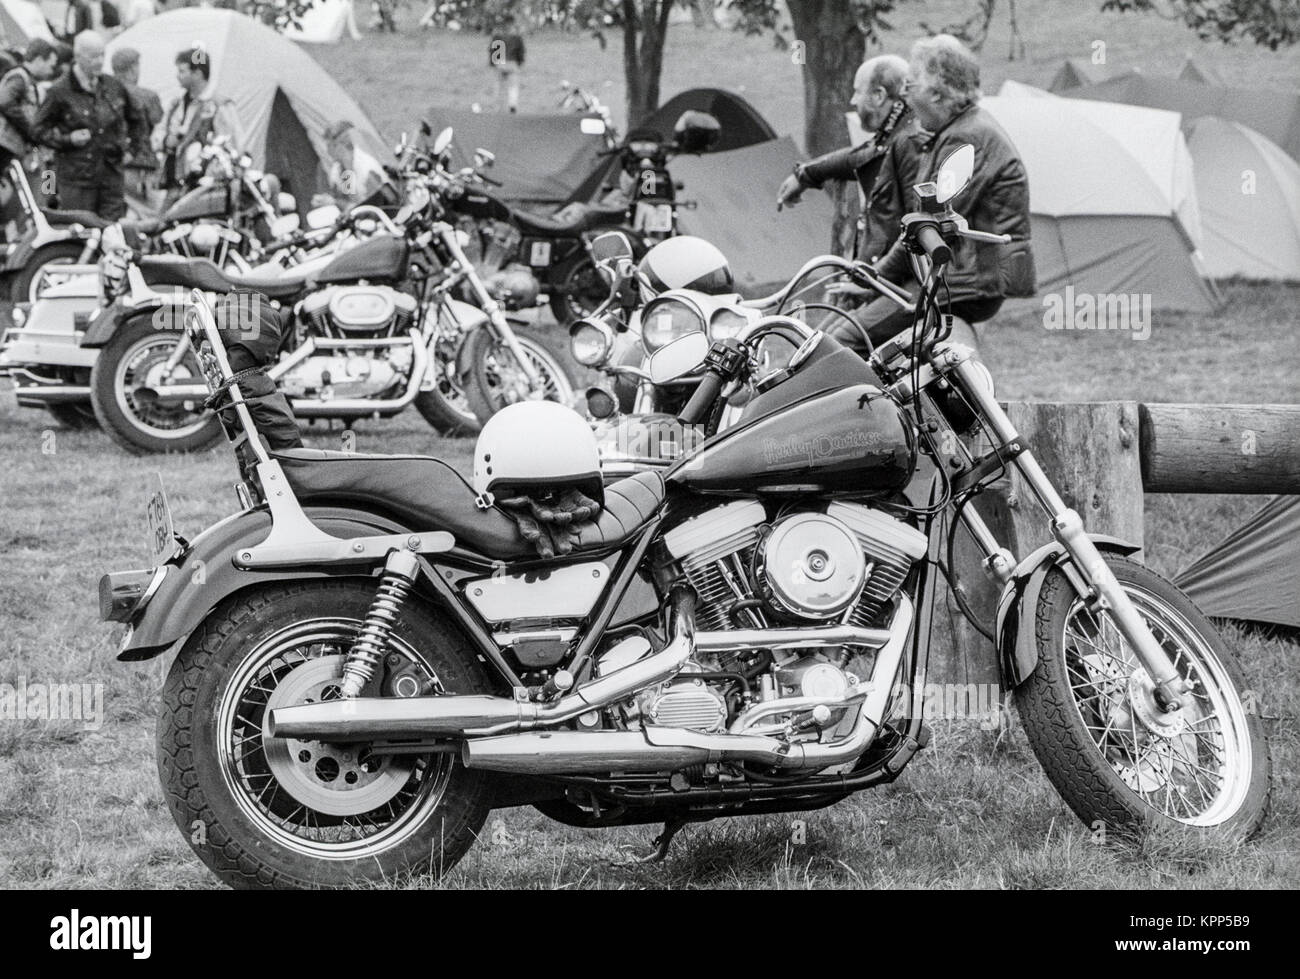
105	324
204	574
1018	604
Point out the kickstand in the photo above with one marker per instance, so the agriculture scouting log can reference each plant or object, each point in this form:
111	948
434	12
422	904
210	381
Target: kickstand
661	844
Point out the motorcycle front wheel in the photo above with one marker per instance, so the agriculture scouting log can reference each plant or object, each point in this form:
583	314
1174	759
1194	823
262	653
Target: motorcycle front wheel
1120	763
493	378
266	812
130	364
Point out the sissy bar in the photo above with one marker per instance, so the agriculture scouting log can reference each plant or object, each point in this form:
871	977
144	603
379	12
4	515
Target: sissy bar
294	540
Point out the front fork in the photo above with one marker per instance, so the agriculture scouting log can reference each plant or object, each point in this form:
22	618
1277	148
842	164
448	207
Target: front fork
1103	589
496	316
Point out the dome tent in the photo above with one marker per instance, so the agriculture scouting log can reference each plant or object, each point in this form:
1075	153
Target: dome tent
285	101
22	21
1105	221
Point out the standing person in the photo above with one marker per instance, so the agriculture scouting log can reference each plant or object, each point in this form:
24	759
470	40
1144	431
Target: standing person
506	56
193	118
19	100
90	121
943	90
141	162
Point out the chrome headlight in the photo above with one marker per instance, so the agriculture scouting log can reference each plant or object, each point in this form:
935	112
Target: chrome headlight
417	197
668	318
590	342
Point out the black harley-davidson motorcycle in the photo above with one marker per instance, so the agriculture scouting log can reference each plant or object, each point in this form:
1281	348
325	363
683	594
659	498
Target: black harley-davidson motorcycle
556	249
374	660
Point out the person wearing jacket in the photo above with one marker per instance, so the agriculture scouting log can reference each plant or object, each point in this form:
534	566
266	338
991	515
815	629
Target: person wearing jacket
194	117
943	90
880	164
90	121
19	101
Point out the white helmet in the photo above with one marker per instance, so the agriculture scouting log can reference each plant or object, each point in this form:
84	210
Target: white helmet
534	445
685	262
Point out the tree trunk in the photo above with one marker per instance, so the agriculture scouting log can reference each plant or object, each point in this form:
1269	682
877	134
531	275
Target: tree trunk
645	29
829	50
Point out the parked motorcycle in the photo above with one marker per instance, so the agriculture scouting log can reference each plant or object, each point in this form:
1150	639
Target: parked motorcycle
370	331
746	632
557	249
226	217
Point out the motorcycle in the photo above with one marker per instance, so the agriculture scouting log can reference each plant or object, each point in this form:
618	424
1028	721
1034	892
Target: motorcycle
227	217
372	330
376	657
557	249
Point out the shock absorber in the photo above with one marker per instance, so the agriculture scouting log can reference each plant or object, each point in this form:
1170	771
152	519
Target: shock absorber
372	643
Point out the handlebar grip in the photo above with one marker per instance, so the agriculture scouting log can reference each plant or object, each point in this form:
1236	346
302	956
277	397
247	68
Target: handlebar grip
702	400
929	239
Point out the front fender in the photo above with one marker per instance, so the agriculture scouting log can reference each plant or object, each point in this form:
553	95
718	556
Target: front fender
203	575
1017	653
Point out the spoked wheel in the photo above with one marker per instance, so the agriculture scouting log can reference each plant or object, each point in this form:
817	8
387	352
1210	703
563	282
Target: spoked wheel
128	368
284	812
494	379
31	279
1114	756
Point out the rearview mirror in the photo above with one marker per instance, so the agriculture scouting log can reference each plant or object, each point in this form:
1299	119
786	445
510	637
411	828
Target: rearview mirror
608	249
678	358
955	173
400	149
484	158
442	142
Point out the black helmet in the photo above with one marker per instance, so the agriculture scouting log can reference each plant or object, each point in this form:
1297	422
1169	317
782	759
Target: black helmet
685	262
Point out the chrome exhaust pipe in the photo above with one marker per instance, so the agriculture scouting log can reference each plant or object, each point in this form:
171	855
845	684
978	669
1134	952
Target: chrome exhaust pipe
41	395
396	718
661	749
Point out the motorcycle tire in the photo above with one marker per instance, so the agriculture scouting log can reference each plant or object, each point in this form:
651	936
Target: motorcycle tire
282	645
444	405
578	291
487	374
76	416
22	287
1124	767
123	365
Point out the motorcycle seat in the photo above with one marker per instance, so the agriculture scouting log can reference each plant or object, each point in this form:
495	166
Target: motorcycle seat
201	273
87	219
145	226
427	494
570	219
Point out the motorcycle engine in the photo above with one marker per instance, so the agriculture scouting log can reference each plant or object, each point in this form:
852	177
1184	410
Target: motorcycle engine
357	311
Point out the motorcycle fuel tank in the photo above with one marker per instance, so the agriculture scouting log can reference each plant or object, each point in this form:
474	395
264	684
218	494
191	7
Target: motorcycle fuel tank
201	202
850	442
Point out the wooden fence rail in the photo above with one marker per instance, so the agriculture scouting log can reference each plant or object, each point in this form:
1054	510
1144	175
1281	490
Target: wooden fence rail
1103	457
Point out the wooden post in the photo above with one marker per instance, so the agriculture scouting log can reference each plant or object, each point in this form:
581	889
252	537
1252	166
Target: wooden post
1090	453
1220	448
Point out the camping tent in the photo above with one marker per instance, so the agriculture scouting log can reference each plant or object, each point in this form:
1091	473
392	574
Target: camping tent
1101	221
1080	71
1249	193
1194	71
325	23
742	124
21	21
284	99
1274	114
735	193
539	158
1254	574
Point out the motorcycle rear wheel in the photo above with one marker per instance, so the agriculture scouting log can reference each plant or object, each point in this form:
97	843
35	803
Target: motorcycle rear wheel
1117	761
494	380
266	812
24	286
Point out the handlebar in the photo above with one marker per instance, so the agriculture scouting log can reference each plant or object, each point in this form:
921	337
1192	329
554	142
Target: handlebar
932	243
702	400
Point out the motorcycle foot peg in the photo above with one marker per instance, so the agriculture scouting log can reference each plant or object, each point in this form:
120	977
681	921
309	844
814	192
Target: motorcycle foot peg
556	685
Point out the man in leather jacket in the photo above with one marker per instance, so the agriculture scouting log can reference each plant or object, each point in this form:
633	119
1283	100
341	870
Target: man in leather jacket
881	165
943	90
90	121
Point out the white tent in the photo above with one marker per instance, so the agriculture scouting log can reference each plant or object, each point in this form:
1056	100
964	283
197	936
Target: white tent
21	21
1249	191
284	99
325	23
1112	203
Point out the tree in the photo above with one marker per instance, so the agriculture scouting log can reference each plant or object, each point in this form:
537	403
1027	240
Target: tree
1269	23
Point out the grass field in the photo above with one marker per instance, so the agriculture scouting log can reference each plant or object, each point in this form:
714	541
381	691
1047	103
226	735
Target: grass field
81	807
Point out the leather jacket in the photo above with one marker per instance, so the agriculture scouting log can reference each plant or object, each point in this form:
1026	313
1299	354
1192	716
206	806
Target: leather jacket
107	111
996	200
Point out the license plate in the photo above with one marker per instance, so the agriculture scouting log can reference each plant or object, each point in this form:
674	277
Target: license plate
654	218
162	533
539	254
